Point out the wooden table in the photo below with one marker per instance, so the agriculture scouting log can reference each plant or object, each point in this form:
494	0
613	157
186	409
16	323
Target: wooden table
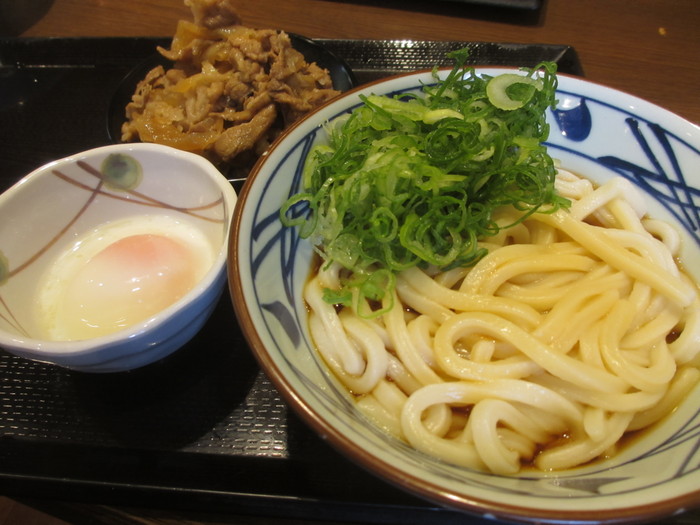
649	48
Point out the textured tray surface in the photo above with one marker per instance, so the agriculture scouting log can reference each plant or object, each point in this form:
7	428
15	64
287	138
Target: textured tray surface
203	428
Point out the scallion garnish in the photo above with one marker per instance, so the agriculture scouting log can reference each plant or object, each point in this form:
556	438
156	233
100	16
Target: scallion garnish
413	180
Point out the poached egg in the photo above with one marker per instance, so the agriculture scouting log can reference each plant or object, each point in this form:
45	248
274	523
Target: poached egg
120	274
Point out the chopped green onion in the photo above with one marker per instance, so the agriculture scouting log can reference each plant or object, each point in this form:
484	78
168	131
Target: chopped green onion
510	91
413	180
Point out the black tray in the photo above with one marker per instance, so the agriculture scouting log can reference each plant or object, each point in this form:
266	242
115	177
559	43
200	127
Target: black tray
204	428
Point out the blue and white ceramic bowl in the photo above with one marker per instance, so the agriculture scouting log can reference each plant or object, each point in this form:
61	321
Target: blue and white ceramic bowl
596	131
53	209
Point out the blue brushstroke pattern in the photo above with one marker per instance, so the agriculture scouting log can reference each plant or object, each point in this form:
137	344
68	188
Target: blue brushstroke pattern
575	123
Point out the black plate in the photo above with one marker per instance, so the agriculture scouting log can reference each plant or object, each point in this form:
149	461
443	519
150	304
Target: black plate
341	75
204	428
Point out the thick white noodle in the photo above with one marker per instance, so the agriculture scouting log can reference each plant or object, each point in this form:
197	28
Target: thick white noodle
577	327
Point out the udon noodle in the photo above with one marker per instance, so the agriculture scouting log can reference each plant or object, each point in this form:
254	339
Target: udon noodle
576	328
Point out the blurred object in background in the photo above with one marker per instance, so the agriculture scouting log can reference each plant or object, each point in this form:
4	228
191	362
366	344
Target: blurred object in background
18	15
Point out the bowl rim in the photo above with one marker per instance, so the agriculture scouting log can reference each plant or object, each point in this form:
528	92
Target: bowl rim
376	465
40	348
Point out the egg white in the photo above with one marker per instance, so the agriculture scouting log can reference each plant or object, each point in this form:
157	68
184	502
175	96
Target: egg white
68	264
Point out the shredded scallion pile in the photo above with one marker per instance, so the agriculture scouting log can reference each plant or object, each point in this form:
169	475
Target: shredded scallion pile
413	180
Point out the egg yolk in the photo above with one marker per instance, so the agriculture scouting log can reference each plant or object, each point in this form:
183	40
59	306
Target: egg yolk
127	282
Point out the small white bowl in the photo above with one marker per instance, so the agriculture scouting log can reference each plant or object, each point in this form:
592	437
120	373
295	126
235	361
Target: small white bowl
57	205
595	130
